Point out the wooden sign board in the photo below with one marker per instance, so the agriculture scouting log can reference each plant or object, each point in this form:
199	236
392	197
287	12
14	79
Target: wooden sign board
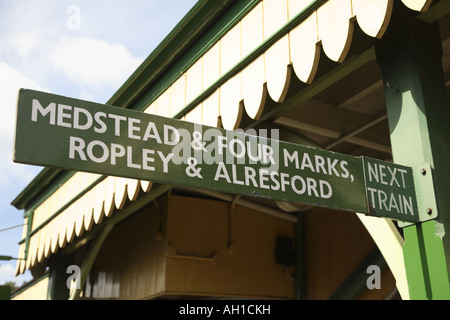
73	134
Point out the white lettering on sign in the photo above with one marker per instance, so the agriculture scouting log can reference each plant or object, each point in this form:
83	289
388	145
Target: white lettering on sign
81	119
262	178
109	138
317	164
394	200
99	152
37	107
390	201
386	175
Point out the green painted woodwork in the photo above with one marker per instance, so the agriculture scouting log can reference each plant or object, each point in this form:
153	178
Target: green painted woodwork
43	180
29	213
164	150
73	134
410	58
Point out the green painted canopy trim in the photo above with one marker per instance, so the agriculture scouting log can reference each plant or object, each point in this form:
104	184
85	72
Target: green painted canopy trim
266	44
45	179
75	197
201	18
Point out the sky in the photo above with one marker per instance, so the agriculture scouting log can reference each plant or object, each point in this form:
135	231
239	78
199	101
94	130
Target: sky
81	49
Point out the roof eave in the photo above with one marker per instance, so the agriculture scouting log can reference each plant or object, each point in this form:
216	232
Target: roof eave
195	23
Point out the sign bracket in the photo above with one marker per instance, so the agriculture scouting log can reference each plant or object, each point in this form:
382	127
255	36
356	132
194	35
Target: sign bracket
424	189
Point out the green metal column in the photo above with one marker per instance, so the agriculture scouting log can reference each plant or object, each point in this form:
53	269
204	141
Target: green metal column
419	115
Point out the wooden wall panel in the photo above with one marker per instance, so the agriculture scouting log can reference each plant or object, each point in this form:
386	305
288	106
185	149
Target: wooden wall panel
178	96
131	262
317	256
211	110
336	243
275	16
230	49
211	66
194	81
194	231
281	280
195	115
163	103
336	228
200	228
258	255
238	262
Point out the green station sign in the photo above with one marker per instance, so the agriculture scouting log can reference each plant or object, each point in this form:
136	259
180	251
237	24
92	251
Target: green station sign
73	134
390	190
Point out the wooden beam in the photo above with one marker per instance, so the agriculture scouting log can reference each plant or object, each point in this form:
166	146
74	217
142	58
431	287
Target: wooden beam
298	125
361	94
348	136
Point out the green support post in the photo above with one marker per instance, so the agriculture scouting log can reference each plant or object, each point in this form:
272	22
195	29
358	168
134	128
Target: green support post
57	288
410	55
